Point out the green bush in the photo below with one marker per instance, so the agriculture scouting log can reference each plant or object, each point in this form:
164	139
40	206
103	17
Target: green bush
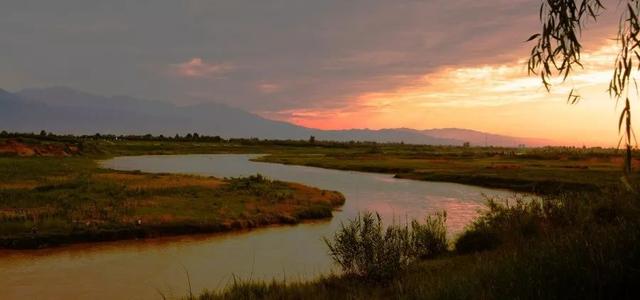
503	223
430	239
364	247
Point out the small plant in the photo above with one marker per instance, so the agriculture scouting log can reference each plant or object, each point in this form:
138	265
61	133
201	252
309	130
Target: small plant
364	247
430	239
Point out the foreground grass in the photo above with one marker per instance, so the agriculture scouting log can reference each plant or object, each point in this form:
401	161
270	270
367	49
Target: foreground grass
579	246
47	201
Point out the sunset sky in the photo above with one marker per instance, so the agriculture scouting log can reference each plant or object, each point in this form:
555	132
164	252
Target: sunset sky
323	64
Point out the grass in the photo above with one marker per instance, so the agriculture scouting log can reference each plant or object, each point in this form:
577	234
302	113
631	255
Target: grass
550	170
47	201
543	171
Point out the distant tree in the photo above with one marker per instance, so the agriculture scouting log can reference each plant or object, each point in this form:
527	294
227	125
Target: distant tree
466	144
557	51
189	136
43	133
4	133
312	139
177	137
195	136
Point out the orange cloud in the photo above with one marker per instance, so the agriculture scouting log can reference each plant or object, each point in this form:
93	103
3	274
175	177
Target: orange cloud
500	98
198	68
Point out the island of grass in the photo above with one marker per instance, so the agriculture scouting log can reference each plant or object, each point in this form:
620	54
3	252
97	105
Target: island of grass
47	201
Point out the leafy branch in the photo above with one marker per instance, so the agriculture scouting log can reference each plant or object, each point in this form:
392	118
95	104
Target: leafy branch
557	52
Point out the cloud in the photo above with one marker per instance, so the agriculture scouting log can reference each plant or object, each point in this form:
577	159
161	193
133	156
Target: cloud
269	88
494	97
198	68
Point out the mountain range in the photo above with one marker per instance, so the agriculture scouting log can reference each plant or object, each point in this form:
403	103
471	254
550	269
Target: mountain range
65	110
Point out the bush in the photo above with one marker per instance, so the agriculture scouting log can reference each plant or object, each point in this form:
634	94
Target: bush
430	239
503	223
477	238
365	248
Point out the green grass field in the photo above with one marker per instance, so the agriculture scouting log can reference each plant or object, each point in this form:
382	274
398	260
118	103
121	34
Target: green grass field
52	200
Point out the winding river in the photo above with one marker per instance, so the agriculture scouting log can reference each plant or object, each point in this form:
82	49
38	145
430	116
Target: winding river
146	269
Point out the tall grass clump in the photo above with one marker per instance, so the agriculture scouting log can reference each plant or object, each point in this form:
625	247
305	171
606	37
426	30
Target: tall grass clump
365	247
430	239
504	222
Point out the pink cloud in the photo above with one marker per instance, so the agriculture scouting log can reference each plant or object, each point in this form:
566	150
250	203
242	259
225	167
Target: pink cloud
198	68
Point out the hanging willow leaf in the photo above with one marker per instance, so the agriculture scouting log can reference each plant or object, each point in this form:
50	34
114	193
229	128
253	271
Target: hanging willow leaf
533	37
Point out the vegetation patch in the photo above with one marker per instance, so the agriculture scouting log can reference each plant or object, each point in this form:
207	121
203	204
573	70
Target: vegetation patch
51	201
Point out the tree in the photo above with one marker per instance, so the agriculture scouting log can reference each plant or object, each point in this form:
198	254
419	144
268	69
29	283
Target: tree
557	51
312	139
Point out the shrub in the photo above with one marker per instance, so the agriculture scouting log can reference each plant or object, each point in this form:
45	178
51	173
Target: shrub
502	223
430	239
364	247
477	238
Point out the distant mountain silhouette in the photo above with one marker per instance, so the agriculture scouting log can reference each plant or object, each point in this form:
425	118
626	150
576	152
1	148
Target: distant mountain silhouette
478	138
65	110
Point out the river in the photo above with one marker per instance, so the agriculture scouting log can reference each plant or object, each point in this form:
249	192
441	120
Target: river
144	269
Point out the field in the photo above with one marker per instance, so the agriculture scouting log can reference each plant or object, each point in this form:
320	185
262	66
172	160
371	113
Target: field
539	170
582	240
46	201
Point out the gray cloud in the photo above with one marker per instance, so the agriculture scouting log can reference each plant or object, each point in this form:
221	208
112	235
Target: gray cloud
278	54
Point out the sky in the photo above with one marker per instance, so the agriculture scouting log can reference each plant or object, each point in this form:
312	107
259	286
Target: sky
330	64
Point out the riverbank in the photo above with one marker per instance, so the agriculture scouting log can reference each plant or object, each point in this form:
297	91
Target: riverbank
575	246
541	171
48	201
